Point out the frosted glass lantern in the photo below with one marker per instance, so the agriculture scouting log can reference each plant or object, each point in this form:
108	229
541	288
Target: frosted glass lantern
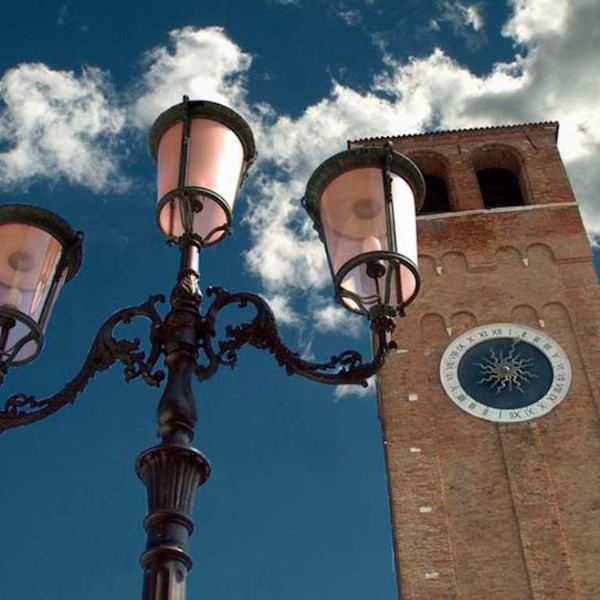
203	151
364	203
38	253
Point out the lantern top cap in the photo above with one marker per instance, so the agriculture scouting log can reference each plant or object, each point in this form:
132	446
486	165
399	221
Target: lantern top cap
361	158
57	227
202	109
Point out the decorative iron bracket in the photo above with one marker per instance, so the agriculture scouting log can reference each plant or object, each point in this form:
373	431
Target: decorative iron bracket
348	367
22	409
345	368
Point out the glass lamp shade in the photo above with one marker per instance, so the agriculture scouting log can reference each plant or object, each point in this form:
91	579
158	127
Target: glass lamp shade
364	203
38	253
203	151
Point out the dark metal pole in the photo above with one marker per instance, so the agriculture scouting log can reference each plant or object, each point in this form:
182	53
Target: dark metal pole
6	324
173	470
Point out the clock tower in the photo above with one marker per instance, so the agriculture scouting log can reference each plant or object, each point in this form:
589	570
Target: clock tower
490	406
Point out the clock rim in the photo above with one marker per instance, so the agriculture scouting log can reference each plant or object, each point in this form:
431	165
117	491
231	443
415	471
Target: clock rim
488	416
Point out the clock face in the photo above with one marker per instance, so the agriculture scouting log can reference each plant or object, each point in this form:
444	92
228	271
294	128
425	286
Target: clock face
505	372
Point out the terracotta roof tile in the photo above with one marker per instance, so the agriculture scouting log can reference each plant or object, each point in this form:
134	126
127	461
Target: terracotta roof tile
451	131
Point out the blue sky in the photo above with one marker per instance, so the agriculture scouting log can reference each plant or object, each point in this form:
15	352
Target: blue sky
297	504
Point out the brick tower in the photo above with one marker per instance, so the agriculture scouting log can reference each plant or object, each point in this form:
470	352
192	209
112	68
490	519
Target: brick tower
494	483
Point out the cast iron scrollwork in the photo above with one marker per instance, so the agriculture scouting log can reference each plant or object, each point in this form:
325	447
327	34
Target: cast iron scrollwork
346	368
167	335
21	409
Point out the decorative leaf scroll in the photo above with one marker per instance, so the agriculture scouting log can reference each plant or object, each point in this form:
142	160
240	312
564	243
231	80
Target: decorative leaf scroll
345	368
22	409
261	332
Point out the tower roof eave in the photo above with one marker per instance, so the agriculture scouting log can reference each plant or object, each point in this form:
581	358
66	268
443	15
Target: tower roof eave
473	130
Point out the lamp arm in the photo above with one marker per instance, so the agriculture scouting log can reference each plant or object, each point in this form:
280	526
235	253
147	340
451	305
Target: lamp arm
345	368
22	409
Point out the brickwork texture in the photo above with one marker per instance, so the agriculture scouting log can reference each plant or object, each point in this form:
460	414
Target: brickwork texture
482	510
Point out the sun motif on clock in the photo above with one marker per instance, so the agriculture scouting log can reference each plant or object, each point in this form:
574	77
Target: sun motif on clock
505	372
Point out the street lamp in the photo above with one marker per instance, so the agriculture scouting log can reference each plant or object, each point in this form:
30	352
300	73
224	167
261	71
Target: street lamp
363	205
38	253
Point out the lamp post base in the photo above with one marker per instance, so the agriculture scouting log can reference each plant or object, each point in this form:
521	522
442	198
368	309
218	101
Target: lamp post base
172	473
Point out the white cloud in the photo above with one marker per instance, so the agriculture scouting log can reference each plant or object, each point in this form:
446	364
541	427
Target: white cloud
350	17
286	252
343	391
59	125
202	63
335	319
380	41
585	177
533	19
462	17
283	311
473	17
67	18
556	78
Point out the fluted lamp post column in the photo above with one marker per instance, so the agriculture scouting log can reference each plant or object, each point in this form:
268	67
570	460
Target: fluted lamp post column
203	151
363	205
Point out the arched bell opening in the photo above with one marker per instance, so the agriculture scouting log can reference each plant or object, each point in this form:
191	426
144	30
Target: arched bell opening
499	188
501	176
436	195
435	170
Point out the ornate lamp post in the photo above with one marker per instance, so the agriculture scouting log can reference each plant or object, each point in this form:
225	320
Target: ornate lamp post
363	205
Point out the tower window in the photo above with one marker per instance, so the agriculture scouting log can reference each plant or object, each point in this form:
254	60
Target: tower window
436	195
499	188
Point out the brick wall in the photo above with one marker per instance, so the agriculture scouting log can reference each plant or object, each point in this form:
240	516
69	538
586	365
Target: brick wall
483	510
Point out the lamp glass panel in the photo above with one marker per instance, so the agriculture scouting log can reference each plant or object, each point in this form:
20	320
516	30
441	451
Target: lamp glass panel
52	301
216	159
29	257
354	223
215	163
405	224
169	151
353	215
